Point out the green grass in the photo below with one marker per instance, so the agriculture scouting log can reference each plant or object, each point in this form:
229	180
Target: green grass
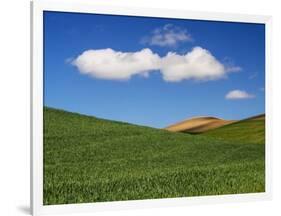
87	159
249	131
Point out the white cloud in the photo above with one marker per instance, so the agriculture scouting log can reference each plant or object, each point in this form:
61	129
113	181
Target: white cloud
253	76
233	69
68	60
230	66
198	64
238	94
169	35
114	65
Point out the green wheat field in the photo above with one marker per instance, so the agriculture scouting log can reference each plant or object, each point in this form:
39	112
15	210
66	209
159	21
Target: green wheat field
87	159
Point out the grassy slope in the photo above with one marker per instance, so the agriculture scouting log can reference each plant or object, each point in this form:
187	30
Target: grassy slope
89	160
251	131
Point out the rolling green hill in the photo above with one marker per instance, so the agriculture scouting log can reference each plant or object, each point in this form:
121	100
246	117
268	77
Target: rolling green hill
87	159
250	130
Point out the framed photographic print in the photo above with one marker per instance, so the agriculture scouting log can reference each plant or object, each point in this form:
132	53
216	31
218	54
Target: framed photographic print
135	107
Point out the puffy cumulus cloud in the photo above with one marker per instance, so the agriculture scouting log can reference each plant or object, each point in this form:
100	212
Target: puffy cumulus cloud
114	65
198	64
238	94
168	35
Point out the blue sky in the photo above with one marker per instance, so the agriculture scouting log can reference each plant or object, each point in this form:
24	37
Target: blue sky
118	67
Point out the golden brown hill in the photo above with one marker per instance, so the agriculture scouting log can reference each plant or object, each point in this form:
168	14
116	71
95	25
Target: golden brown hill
198	124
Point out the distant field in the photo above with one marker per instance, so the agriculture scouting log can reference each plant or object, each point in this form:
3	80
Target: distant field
198	124
87	159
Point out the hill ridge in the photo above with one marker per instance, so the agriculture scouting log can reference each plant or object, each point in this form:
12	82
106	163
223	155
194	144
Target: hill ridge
202	124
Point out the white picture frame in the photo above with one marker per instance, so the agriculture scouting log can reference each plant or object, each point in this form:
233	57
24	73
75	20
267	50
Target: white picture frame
37	8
